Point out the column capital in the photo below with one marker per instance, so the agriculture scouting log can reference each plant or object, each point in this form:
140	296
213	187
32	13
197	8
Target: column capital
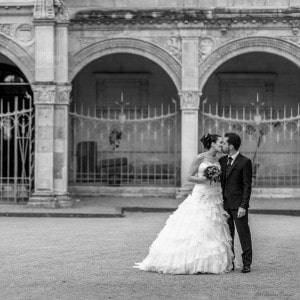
51	93
190	99
63	93
44	93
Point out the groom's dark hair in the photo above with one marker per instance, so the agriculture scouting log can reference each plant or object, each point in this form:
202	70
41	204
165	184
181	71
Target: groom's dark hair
233	139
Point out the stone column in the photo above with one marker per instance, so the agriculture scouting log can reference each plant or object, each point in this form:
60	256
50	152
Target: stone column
61	57
61	130
51	99
44	51
44	91
190	70
44	99
61	114
189	104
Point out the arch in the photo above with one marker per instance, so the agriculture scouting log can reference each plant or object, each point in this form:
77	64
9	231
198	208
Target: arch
19	56
132	46
237	47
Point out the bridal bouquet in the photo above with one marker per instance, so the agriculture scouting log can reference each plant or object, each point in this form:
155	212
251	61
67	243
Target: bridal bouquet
212	173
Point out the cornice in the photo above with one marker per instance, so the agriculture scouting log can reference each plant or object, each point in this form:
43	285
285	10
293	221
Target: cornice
16	10
218	19
185	16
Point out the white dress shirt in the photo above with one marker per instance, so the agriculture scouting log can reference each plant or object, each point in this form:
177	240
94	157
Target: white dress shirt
234	156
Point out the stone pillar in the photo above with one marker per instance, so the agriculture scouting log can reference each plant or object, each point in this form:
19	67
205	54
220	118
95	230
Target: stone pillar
189	105
44	51
61	130
61	57
51	99
61	114
44	99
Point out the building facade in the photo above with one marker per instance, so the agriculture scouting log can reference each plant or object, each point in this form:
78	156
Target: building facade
111	97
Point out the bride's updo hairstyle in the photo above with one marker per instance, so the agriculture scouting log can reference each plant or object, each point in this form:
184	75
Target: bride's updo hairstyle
208	139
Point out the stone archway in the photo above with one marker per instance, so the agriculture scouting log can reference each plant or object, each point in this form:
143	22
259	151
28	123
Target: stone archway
19	56
246	45
132	46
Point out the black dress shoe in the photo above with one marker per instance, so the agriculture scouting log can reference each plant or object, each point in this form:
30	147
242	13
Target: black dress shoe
246	269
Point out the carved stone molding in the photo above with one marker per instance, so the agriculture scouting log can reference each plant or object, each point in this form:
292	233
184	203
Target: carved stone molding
18	55
295	24
51	93
127	45
173	46
44	94
224	26
292	39
206	46
247	45
62	11
87	41
24	33
63	94
189	99
19	33
6	29
44	10
221	16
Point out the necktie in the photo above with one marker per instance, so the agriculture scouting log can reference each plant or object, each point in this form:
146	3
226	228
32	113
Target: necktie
229	160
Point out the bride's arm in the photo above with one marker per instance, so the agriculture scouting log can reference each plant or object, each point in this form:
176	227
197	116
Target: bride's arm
193	169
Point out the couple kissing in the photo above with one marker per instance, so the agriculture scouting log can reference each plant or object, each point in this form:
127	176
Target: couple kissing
199	236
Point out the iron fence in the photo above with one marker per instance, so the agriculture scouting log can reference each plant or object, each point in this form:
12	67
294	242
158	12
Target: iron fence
123	146
270	138
16	149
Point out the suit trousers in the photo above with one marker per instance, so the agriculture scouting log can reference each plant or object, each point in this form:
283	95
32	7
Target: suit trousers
243	230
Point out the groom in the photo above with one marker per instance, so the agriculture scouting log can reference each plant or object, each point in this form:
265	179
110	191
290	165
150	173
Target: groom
236	189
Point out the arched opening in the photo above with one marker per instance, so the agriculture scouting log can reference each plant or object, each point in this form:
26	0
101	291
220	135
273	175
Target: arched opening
257	95
124	124
16	134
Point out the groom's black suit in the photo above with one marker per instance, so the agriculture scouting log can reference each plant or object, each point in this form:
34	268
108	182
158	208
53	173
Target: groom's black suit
236	188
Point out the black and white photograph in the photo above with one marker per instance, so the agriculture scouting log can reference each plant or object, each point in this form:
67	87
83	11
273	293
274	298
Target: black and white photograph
149	149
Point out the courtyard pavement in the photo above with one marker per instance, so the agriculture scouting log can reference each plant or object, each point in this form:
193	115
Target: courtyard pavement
92	258
116	206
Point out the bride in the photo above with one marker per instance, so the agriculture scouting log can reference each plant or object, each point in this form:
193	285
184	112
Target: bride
196	237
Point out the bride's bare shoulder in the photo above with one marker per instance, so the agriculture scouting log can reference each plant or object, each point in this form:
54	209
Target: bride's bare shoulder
201	155
199	158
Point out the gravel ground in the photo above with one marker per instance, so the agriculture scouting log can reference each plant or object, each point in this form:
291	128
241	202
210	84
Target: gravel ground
48	258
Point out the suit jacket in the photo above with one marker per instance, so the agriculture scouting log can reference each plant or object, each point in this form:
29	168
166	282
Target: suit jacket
237	182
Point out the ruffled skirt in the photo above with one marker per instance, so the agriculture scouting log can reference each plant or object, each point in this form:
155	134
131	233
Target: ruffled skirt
195	238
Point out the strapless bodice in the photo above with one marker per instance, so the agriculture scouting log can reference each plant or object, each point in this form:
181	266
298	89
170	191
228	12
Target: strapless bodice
207	187
204	165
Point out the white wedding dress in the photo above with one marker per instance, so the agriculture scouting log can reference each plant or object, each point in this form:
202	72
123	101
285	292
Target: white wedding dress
196	237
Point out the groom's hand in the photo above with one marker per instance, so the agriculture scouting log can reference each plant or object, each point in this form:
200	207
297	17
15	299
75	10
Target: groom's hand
241	212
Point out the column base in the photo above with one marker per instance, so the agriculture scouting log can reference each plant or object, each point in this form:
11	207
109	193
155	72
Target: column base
49	201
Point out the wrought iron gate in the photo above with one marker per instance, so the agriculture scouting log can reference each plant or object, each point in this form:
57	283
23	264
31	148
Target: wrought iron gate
125	146
270	137
16	149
